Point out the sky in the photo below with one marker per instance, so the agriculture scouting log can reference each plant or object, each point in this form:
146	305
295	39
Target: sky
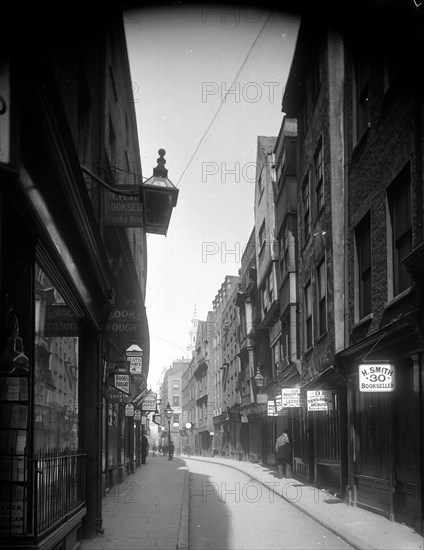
207	81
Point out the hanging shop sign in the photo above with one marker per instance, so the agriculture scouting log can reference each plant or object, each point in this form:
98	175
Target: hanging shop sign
124	210
60	320
124	321
136	365
129	409
291	398
137	414
149	403
320	400
144	420
113	395
122	382
376	377
134	355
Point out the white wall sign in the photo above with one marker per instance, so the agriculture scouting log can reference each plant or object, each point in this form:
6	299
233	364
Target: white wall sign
292	398
320	400
375	377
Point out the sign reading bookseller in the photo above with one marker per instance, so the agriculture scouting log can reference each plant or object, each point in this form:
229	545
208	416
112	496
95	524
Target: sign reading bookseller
376	377
124	210
320	400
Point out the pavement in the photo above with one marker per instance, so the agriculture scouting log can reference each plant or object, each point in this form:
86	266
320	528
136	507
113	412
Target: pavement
150	509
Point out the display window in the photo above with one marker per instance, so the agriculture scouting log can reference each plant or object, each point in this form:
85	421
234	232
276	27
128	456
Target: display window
57	341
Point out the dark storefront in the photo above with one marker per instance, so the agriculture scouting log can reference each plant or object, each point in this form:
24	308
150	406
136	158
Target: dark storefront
385	424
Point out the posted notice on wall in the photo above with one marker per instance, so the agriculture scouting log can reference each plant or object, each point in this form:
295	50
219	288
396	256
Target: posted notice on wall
320	400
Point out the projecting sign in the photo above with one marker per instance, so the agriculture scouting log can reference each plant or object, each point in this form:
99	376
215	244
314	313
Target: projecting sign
149	403
136	364
137	414
376	377
122	382
129	409
124	321
291	398
320	400
124	210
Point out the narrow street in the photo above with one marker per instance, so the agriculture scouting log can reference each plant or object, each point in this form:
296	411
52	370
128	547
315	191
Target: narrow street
228	510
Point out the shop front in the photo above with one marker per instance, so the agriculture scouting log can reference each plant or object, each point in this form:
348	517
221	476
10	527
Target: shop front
385	425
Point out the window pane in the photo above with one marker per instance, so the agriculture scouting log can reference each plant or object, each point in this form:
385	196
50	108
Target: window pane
56	369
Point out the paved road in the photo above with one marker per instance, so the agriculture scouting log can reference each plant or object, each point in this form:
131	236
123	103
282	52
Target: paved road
230	511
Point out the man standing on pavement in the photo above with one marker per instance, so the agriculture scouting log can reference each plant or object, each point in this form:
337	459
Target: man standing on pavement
282	449
144	447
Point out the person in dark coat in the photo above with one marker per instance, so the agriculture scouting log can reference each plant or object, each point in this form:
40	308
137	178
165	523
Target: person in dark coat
144	448
171	450
283	451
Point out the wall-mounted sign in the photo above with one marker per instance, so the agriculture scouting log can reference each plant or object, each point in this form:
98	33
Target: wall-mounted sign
177	410
376	377
292	398
60	320
113	395
320	400
124	210
122	382
124	321
129	409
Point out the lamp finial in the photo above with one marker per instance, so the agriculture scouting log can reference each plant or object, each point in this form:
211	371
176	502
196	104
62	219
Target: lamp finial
160	171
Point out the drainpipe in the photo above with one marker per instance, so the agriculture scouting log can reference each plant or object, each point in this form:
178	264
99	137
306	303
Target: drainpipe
99	421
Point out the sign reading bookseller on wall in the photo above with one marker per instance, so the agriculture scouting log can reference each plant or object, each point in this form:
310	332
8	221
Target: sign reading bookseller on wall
320	400
376	377
149	403
124	210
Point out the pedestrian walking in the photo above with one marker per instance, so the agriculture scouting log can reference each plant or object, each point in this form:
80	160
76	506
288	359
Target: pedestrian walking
171	451
144	448
283	452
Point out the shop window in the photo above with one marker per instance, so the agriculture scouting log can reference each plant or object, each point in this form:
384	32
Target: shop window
399	231
56	410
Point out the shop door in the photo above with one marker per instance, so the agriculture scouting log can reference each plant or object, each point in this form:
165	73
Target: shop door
406	444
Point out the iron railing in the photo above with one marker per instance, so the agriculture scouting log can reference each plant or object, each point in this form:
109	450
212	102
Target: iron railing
59	487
